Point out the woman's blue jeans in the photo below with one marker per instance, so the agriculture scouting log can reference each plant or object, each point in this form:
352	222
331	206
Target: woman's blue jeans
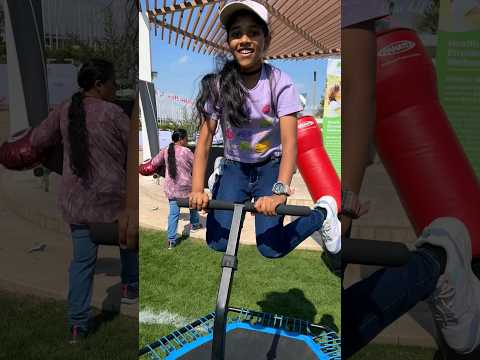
82	271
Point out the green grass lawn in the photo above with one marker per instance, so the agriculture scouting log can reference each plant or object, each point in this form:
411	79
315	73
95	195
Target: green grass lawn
34	328
184	281
389	352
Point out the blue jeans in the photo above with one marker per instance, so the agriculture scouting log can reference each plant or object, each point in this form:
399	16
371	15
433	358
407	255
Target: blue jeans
173	217
82	271
372	304
240	182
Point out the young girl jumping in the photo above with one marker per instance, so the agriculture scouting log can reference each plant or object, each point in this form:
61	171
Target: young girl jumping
178	181
256	105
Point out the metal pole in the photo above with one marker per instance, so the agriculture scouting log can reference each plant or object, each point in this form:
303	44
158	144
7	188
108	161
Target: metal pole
229	265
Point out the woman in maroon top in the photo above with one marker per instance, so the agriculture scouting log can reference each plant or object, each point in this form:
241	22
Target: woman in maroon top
178	159
94	132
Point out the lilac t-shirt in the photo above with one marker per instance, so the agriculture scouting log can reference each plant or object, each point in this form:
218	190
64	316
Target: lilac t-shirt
357	11
261	138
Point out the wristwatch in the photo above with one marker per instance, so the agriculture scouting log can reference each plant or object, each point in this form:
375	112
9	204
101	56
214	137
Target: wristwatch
350	204
280	188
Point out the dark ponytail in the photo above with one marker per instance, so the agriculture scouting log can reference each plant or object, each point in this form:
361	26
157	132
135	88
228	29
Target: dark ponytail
92	71
178	134
78	136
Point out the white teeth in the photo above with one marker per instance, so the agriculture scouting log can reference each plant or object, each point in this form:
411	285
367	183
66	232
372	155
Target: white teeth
245	51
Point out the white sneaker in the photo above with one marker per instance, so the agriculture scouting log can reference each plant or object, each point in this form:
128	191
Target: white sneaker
456	301
331	231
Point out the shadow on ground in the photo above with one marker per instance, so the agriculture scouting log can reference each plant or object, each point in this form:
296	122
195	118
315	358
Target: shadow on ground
293	303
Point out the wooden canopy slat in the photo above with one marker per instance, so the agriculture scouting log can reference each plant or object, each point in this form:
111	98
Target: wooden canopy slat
213	22
204	23
305	19
182	6
217	32
197	20
180	18
292	26
163	18
219	39
301	29
171	24
209	35
190	12
190	35
307	22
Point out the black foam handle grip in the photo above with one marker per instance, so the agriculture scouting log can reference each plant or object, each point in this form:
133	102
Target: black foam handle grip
292	210
374	252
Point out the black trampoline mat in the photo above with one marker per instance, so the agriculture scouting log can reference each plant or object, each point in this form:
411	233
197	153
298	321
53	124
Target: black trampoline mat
243	344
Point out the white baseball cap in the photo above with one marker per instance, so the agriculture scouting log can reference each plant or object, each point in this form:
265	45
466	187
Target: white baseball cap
236	5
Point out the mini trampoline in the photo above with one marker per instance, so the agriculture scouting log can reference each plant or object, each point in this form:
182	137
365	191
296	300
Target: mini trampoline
232	333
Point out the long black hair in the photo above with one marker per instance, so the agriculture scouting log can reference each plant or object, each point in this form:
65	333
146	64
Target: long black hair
90	72
227	81
178	134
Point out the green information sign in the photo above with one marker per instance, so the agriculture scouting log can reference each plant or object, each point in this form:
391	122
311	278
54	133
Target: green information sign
332	141
458	68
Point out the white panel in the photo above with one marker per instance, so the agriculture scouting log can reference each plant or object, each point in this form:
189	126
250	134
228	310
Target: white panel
144	55
145	144
144	72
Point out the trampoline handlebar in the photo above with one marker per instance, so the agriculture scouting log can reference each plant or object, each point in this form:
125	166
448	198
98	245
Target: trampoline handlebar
374	252
292	210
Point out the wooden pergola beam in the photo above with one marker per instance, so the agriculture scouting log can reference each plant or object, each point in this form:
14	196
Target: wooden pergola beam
190	35
202	27
190	12
181	6
304	54
292	26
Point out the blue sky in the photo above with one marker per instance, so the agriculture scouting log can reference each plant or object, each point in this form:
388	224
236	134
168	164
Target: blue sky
180	70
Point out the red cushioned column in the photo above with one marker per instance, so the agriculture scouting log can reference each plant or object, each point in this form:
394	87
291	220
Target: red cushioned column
415	140
313	162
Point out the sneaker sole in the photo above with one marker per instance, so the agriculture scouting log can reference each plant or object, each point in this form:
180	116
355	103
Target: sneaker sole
128	301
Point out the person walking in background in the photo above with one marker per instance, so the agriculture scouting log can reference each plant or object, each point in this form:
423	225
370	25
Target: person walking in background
94	133
178	162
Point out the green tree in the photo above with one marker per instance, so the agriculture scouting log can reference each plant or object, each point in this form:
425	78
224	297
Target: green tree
119	45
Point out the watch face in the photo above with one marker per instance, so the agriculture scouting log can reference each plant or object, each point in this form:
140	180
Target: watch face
279	188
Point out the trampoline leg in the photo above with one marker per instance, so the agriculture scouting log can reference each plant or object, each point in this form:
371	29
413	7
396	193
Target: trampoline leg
229	265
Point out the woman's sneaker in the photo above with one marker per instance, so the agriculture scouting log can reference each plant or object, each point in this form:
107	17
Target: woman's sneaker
331	231
191	228
129	294
77	334
456	301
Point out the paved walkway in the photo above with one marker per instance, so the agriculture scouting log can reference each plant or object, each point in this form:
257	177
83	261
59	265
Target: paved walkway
154	211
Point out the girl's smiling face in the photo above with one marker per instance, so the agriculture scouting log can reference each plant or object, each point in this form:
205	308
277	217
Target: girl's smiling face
247	41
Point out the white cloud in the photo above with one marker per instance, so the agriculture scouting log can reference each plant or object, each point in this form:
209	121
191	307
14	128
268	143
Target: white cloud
183	59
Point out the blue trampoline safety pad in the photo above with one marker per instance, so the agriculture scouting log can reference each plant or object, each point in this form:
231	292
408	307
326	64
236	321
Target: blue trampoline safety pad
272	333
249	335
